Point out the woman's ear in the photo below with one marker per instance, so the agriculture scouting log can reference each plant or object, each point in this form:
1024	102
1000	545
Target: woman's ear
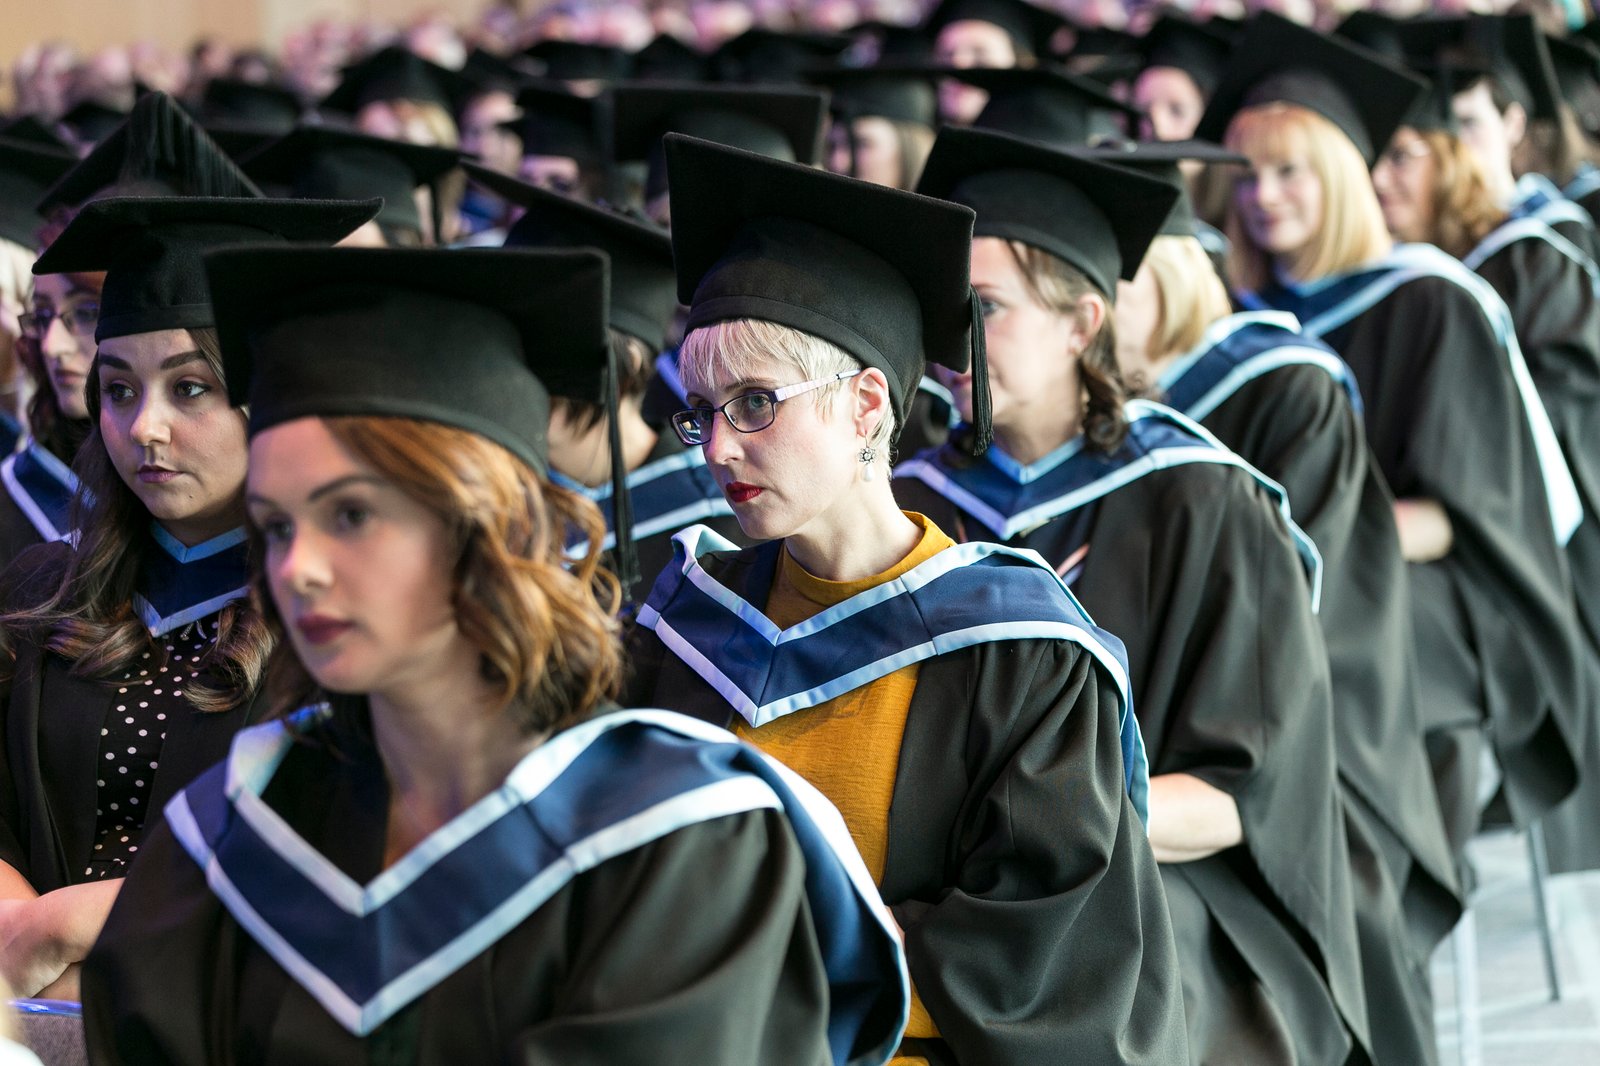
1516	123
872	400
1090	312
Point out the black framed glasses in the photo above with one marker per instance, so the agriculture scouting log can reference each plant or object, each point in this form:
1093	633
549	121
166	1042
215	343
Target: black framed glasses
748	412
80	320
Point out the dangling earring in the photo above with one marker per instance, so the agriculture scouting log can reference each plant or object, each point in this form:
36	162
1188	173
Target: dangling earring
867	457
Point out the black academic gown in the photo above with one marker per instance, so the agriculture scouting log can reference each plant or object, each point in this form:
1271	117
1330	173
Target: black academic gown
1033	914
1557	316
654	546
1495	629
1296	425
17	531
50	724
696	949
1193	569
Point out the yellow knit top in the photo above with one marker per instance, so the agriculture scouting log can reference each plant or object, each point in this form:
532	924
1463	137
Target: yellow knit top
849	747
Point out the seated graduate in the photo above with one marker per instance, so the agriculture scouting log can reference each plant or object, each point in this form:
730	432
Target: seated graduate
1186	553
445	854
134	652
955	703
668	485
1287	404
1484	498
1432	189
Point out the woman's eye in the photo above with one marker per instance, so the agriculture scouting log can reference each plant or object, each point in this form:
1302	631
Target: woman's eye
757	401
350	516
116	392
988	307
191	390
276	530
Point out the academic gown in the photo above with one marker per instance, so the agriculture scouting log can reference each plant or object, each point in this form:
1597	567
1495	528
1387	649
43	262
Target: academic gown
51	723
1557	317
696	943
1584	189
1447	419
1196	572
1538	198
1034	921
1285	402
671	489
36	490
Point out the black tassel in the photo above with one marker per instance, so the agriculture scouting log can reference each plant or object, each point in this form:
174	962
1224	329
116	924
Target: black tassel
163	143
982	417
624	557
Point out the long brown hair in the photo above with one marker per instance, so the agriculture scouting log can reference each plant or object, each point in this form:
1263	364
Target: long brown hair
1464	210
90	620
1057	285
544	624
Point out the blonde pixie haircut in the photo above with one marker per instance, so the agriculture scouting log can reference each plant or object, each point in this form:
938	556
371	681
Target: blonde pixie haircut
1353	230
1189	295
736	349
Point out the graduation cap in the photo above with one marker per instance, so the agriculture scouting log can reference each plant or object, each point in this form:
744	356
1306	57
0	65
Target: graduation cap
1510	46
579	61
1048	106
150	249
1198	51
1577	66
479	339
879	272
1159	160
668	59
488	71
1029	27
1098	217
898	93
1434	109
157	151
780	123
27	169
322	163
643	286
766	57
93	121
1376	32
34	130
895	43
1279	61
558	122
230	102
394	73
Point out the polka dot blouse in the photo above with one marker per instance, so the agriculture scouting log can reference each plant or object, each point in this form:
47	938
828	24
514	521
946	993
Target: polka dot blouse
147	697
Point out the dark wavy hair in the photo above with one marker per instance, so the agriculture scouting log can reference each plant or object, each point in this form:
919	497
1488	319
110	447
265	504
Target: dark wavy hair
60	435
544	625
90	620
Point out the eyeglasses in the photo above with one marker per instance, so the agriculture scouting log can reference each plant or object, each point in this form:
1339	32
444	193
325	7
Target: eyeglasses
749	412
80	320
1401	156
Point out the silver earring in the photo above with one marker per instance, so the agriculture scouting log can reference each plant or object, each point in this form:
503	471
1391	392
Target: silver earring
867	457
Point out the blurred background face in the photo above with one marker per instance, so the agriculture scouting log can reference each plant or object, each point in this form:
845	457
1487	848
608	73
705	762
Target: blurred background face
1491	135
482	136
1171	101
1280	204
877	151
964	45
1404	180
63	321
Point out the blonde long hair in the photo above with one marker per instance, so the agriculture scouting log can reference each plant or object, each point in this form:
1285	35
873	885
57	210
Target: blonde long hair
1352	231
1189	295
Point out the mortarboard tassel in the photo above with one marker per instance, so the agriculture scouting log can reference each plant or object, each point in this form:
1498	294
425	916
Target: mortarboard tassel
164	142
982	425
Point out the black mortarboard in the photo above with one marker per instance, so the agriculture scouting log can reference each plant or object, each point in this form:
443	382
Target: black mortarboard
558	122
27	169
1097	217
157	151
394	73
780	123
1510	46
1159	160
643	287
93	121
151	248
1029	27
1375	32
240	142
1103	54
879	272
578	61
1577	66
322	163
766	57
34	130
479	339
1279	61
668	59
894	44
231	102
1434	109
488	71
1048	106
1198	51
902	94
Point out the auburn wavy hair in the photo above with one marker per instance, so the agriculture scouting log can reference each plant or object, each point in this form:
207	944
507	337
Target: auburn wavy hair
544	623
1464	211
90	621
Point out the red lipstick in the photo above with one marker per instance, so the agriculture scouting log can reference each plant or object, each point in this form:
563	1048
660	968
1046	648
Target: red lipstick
739	492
